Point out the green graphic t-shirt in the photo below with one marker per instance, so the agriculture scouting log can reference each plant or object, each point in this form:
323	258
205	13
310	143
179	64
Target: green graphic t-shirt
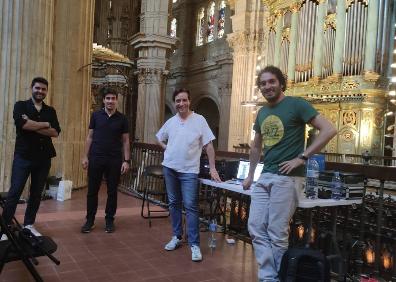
282	128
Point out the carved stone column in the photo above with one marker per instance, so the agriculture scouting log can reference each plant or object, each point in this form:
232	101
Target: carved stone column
243	81
26	51
224	89
340	39
54	41
73	33
153	43
150	108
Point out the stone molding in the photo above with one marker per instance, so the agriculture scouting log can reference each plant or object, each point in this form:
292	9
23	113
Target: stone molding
246	41
151	76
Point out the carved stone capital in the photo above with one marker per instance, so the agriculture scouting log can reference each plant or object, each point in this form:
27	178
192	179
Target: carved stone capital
151	76
245	41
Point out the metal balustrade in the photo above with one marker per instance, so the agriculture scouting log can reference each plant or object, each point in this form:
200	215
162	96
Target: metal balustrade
366	233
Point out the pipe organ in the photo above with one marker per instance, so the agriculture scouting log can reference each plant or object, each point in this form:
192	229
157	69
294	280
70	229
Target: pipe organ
305	43
335	53
355	38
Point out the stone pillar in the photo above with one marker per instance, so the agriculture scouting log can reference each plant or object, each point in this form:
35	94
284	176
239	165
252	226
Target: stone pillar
224	89
53	41
153	43
340	39
243	80
26	51
278	37
371	36
319	36
291	65
73	33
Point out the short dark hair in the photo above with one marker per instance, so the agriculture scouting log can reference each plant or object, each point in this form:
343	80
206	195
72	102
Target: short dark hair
275	71
39	80
104	91
178	91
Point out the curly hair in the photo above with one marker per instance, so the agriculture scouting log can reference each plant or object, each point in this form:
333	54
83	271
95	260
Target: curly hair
275	71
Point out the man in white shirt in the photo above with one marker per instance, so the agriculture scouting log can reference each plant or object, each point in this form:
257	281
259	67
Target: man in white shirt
185	134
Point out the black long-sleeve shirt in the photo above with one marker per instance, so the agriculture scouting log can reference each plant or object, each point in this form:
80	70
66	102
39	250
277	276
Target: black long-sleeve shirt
30	144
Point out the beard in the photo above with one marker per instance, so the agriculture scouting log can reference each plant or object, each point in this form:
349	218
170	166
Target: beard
275	93
38	97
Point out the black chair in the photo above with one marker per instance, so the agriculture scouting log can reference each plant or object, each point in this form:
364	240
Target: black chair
23	245
154	185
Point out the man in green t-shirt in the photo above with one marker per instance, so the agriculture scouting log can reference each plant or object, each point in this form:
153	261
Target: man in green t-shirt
280	127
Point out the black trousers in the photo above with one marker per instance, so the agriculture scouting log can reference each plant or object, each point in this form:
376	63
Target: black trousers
111	170
21	169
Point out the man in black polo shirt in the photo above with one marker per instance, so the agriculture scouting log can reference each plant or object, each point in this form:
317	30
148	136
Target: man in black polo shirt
107	153
35	124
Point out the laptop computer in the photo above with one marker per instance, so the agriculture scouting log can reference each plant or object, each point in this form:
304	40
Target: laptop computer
243	171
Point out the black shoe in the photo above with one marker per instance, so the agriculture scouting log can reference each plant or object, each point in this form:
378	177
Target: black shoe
87	227
109	228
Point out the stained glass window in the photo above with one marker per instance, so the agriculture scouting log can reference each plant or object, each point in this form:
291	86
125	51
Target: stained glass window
221	20
200	26
211	21
174	1
173	28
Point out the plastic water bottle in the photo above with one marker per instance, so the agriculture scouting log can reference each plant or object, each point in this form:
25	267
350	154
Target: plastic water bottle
311	179
336	186
212	234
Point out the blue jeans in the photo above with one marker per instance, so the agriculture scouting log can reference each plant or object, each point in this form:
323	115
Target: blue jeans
182	188
21	168
273	202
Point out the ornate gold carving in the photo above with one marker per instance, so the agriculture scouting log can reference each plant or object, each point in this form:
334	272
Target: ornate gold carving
348	135
295	7
279	13
304	67
335	77
379	119
349	118
271	22
350	2
330	22
371	76
314	81
286	34
350	84
102	53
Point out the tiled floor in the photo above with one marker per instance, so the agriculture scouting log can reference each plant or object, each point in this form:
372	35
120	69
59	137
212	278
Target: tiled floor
133	253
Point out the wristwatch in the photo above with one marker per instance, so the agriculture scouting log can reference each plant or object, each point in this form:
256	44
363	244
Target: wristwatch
303	157
127	161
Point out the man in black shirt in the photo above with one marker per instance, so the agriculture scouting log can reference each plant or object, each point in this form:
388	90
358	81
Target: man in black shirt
107	153
36	123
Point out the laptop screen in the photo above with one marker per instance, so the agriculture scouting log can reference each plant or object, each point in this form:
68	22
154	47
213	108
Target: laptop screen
243	170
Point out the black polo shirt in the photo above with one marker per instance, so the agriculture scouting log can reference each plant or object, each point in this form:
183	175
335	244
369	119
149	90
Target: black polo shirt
107	134
30	144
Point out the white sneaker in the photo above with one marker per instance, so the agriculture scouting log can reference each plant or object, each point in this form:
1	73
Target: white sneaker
173	244
196	253
33	230
3	237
